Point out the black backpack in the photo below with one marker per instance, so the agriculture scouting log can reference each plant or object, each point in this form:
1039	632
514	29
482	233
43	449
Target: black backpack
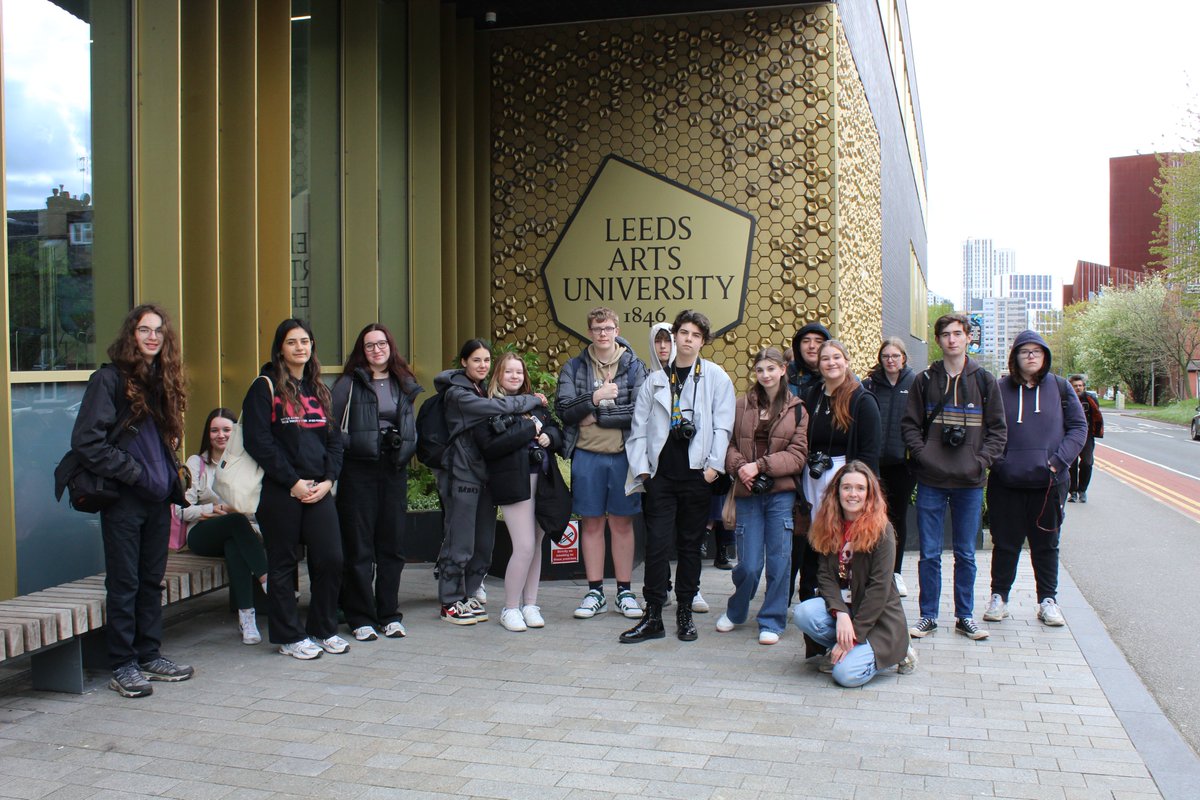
433	434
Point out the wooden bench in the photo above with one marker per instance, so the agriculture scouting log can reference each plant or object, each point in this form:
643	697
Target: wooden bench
59	627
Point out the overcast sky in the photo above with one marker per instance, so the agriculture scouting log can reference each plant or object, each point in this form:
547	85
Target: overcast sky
1024	104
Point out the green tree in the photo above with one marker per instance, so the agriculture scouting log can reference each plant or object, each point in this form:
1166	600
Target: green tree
1177	243
936	310
1064	342
1107	345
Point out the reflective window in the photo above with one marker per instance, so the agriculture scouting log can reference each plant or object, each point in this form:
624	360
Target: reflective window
316	172
63	163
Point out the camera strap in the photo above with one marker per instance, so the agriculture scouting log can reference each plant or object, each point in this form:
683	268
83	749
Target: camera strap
936	410
677	392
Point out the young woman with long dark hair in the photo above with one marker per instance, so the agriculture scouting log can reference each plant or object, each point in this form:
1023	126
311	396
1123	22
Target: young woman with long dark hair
374	398
216	530
141	392
857	614
289	431
470	520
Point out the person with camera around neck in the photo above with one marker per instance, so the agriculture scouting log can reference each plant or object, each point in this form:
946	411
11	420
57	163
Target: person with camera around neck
765	457
1027	486
682	422
517	449
373	399
843	425
954	429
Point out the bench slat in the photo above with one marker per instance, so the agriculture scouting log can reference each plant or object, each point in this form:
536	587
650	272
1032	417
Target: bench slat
72	616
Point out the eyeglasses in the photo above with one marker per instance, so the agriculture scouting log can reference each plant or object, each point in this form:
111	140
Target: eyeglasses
1030	353
607	330
896	357
372	346
142	330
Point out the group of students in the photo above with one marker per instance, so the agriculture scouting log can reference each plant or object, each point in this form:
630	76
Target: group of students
820	470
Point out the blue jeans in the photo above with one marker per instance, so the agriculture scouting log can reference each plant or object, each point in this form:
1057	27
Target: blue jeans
966	505
856	667
763	536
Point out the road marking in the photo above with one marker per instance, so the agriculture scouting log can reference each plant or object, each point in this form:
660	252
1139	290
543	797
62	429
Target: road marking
1178	495
1100	446
1162	492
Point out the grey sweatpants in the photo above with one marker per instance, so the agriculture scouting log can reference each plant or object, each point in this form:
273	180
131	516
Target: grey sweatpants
469	535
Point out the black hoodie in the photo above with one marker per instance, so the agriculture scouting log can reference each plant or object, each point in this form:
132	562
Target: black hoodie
290	444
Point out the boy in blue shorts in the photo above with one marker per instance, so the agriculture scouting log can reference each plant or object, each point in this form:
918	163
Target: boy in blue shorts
595	398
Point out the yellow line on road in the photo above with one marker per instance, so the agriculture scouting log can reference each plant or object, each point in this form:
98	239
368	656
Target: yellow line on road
1180	501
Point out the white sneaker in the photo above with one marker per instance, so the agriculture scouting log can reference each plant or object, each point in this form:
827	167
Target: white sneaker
768	637
901	586
997	609
1050	614
533	616
335	645
627	604
699	604
724	624
512	619
304	650
593	603
394	630
481	594
249	626
365	633
909	663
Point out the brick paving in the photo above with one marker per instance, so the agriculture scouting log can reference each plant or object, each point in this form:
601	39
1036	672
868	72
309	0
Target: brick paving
568	713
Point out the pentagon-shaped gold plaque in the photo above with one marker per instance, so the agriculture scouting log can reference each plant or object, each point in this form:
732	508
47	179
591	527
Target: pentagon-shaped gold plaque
648	247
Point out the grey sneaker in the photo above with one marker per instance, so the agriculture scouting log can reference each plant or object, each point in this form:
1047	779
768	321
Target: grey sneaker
1050	614
334	645
967	627
627	604
305	650
699	604
909	663
365	633
394	630
996	609
128	681
164	669
593	603
923	628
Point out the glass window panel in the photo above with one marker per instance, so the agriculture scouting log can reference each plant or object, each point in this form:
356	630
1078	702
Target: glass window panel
316	172
59	157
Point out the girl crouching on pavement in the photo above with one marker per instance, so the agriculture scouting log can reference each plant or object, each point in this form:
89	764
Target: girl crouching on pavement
470	521
857	613
517	450
765	456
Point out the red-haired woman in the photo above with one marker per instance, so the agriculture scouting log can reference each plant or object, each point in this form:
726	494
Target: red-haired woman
374	400
142	392
858	613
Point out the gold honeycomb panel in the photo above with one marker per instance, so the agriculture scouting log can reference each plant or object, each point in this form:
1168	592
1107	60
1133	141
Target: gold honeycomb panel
747	107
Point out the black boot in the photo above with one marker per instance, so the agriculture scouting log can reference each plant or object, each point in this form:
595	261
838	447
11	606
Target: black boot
722	559
650	626
686	630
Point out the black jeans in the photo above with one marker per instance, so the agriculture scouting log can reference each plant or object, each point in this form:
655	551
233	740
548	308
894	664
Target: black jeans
372	501
675	512
898	484
286	524
1019	514
135	533
1081	468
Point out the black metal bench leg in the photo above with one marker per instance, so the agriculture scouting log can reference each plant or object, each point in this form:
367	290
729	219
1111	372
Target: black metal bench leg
59	668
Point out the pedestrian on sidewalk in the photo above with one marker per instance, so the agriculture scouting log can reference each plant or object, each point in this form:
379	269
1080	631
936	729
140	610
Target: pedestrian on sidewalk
1028	484
1081	467
804	372
954	429
890	381
857	616
765	457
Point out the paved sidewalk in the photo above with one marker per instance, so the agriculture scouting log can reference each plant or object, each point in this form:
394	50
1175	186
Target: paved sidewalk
567	712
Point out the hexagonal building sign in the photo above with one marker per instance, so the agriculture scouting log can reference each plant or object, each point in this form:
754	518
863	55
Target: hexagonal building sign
648	247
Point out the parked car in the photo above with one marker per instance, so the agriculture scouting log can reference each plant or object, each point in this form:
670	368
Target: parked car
1196	426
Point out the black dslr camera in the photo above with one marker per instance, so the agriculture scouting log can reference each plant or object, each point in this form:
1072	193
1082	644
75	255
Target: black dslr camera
500	423
953	435
536	456
818	464
685	431
762	484
390	439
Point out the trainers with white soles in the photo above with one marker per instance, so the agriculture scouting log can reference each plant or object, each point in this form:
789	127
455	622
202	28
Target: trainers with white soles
1050	614
304	649
699	604
248	624
997	609
967	627
481	594
395	630
627	604
724	624
593	603
901	586
533	616
768	637
365	633
458	614
476	608
909	663
512	619
334	645
923	628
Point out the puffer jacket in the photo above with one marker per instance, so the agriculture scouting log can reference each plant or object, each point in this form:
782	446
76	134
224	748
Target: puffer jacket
507	454
787	444
893	400
361	439
467	406
577	382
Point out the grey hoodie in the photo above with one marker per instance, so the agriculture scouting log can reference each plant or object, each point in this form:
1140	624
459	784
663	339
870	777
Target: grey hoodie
652	362
467	405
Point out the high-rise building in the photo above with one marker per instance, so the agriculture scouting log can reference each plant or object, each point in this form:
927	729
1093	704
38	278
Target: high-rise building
978	264
1003	319
1133	206
1037	290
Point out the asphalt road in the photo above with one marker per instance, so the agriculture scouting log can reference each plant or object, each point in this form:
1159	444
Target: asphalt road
1134	552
